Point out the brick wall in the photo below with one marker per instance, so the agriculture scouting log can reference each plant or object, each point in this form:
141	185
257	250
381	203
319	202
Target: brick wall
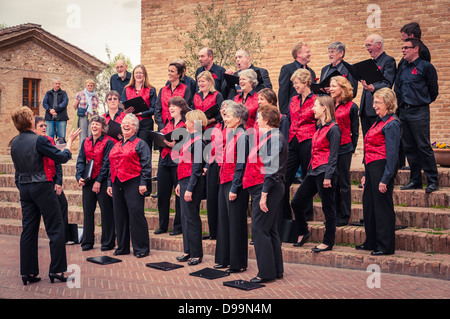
284	22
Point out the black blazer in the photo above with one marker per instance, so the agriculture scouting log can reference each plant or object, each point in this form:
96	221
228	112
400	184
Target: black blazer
388	66
344	71
285	87
230	93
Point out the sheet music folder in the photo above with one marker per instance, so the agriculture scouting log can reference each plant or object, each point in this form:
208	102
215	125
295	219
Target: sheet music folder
212	111
242	284
88	170
103	260
159	137
319	88
231	80
166	266
209	273
114	129
138	103
366	70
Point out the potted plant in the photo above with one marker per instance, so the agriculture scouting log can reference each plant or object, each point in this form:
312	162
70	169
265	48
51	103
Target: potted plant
441	153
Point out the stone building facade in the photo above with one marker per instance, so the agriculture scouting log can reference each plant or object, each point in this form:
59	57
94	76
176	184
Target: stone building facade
281	23
30	58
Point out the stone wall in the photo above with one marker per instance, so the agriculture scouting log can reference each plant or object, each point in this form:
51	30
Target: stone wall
284	22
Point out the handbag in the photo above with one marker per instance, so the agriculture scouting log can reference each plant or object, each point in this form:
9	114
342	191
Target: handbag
81	112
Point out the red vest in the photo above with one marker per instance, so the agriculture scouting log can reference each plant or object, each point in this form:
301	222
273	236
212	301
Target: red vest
320	149
166	130
342	113
303	123
118	120
49	164
206	103
375	143
96	153
186	158
254	168
252	105
144	93
124	161
218	141
166	95
230	156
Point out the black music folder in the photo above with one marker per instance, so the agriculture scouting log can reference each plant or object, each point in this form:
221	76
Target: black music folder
138	103
88	170
114	130
366	70
242	284
166	266
103	260
232	80
319	88
158	138
209	273
212	112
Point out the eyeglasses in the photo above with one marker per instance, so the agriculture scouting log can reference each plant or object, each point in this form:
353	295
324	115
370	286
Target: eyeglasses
406	48
378	102
112	99
42	125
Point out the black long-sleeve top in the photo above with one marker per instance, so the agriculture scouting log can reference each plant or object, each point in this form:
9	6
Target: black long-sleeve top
81	161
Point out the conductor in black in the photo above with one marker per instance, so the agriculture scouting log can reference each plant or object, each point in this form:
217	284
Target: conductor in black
37	196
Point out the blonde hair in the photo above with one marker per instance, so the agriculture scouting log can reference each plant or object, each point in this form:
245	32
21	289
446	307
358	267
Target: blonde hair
347	89
328	102
389	99
251	75
197	117
303	75
146	79
208	76
89	81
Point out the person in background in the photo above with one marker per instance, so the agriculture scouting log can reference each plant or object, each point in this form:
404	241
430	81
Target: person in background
85	105
121	79
55	104
206	60
248	96
114	113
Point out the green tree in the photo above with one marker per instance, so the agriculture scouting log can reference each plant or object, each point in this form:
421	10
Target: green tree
102	86
223	32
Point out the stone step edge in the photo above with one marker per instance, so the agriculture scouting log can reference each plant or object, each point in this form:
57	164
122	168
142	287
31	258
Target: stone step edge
402	262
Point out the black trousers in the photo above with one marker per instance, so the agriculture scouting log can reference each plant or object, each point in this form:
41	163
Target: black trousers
90	200
232	233
40	199
212	198
264	228
378	210
167	181
299	155
64	205
311	186
129	217
343	193
416	144
190	218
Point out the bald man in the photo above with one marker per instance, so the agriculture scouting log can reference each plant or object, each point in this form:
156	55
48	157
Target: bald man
121	79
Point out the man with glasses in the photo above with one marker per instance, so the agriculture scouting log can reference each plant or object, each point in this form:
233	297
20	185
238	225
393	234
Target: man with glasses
386	64
416	88
121	79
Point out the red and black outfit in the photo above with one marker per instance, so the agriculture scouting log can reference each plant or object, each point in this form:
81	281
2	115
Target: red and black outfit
38	198
265	171
381	146
324	155
301	130
167	181
162	114
232	233
348	120
118	118
99	153
130	167
204	103
190	170
251	102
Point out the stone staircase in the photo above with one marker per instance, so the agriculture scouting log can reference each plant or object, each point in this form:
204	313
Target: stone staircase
422	241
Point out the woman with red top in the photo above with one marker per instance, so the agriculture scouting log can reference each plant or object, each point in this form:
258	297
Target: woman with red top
248	81
96	147
167	169
115	113
381	146
174	88
347	118
301	131
232	237
207	97
140	86
130	173
264	176
322	176
190	187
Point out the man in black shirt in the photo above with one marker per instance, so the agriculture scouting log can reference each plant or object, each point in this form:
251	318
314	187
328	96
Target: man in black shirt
121	79
416	88
206	59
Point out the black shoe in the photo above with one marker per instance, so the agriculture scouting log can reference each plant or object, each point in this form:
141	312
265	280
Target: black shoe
362	247
30	279
220	266
159	231
86	247
117	253
279	276
175	232
432	188
380	253
231	271
106	248
194	261
411	186
258	280
53	276
141	255
184	258
318	250
303	241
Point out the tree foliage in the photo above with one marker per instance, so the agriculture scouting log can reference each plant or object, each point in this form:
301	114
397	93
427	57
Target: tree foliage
223	32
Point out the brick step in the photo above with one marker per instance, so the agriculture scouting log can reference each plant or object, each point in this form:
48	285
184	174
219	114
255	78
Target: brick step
411	263
402	177
409	239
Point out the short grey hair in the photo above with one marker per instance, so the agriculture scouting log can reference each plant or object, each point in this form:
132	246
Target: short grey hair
134	118
338	46
251	75
239	111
